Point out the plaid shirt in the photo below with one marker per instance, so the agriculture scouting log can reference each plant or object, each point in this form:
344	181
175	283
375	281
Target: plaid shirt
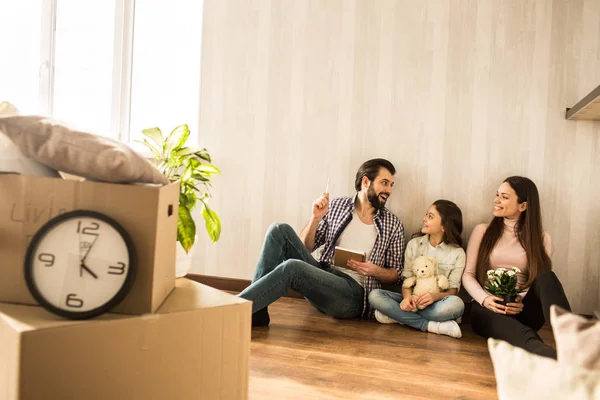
388	248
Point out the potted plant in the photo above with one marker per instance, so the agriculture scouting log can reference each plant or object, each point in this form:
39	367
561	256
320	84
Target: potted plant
193	169
502	282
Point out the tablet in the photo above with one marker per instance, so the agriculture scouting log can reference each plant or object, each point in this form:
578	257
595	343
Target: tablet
342	255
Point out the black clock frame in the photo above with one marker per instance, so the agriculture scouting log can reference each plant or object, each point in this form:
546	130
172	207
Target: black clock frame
47	227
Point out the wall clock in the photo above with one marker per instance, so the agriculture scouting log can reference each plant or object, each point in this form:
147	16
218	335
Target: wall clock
80	264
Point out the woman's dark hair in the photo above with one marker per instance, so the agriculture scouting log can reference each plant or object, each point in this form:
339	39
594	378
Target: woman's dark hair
528	229
370	169
452	222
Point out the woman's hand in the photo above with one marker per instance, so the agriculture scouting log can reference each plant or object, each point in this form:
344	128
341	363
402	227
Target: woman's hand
516	307
491	304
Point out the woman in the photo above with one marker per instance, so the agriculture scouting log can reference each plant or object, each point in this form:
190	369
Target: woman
439	237
514	238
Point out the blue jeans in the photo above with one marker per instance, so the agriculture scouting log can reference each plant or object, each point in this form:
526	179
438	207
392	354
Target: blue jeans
285	263
448	308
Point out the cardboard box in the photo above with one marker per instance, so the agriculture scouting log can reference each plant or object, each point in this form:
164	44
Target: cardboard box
197	346
147	212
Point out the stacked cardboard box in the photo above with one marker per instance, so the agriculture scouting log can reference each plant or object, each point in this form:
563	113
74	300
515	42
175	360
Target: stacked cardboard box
172	339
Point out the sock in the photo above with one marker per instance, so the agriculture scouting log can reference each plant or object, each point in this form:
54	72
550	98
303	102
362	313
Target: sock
449	328
261	317
384	319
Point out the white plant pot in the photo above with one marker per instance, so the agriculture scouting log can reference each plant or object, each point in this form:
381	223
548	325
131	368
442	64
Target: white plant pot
183	263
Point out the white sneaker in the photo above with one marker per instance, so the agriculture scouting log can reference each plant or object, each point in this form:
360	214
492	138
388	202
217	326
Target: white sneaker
448	328
384	319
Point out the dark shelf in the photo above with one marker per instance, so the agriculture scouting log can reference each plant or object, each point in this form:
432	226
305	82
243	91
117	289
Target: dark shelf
588	108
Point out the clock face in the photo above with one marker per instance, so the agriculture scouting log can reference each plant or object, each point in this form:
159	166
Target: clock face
80	264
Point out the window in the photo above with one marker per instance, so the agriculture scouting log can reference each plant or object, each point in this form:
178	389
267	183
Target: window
21	62
112	67
83	64
165	88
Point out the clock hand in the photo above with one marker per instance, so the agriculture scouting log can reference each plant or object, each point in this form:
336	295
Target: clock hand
82	267
80	258
90	248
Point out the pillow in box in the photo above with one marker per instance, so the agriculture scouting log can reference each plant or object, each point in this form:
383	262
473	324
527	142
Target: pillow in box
523	375
577	339
11	158
79	153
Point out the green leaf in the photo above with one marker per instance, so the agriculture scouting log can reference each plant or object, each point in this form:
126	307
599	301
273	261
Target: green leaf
189	169
199	177
207	169
203	154
155	135
186	229
213	223
176	139
153	149
184	151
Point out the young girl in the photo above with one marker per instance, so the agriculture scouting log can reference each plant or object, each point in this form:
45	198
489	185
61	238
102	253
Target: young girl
514	238
439	237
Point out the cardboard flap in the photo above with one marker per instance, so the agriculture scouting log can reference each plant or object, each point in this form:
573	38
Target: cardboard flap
189	295
31	318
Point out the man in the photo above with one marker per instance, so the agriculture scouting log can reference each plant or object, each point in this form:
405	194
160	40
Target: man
360	222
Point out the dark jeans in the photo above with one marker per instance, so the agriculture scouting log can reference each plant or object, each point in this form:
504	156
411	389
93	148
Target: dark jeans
285	264
521	330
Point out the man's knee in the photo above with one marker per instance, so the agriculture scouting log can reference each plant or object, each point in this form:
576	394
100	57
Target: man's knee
294	268
279	229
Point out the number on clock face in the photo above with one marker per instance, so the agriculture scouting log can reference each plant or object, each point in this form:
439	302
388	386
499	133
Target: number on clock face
80	263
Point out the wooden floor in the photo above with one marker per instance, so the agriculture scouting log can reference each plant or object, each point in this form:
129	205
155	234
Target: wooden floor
307	355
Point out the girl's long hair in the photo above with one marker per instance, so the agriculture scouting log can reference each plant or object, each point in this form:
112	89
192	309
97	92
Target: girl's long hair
528	229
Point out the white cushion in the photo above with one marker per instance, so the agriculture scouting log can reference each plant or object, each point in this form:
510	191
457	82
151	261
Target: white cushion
523	375
577	338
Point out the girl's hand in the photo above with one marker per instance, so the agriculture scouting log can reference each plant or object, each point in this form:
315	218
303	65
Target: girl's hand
516	307
491	304
408	304
425	299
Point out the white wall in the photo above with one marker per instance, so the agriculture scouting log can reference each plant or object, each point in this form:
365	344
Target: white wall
457	94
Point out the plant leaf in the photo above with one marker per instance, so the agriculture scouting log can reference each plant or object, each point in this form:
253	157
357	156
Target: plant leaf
213	223
176	139
186	228
203	154
207	169
189	169
153	149
199	177
155	135
184	151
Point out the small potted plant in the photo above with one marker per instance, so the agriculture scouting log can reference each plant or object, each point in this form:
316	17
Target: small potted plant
193	169
502	283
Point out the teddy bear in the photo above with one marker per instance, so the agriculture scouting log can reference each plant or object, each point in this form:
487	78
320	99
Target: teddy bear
425	278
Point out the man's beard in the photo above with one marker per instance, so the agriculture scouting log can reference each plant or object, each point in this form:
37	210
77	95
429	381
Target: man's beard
374	198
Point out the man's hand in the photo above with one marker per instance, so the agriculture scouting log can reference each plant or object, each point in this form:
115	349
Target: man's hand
516	307
320	206
408	304
364	268
425	299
